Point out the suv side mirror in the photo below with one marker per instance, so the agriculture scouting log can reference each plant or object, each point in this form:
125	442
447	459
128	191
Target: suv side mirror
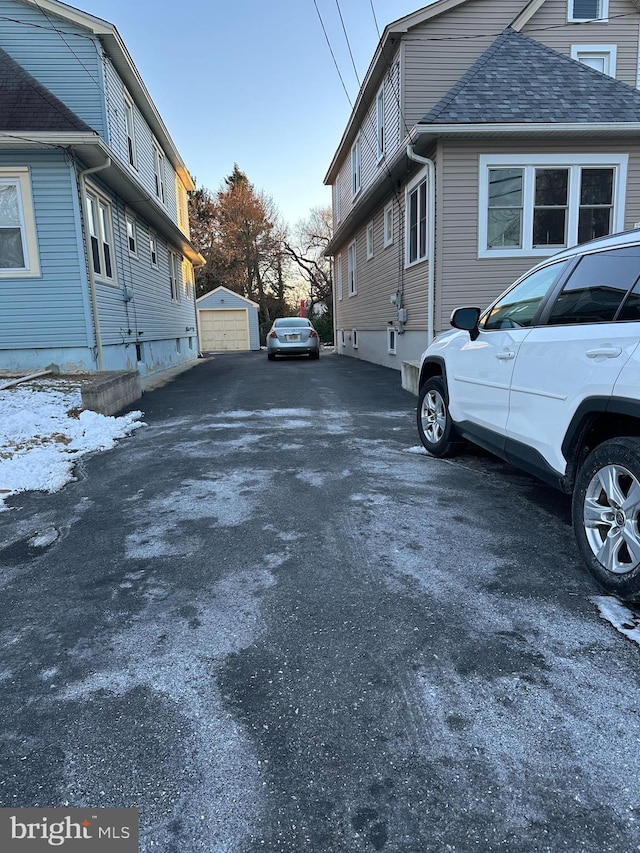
467	320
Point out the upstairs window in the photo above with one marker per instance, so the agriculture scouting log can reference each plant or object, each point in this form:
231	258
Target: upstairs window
158	170
588	10
388	225
153	249
131	131
380	123
356	155
601	57
18	243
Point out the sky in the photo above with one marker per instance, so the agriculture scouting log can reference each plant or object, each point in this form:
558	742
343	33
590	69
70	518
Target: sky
254	83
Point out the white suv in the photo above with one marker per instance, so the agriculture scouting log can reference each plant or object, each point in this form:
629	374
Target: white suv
548	378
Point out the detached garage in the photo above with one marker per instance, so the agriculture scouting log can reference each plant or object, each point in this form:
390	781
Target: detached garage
227	321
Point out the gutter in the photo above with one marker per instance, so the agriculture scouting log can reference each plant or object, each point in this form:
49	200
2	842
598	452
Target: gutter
431	239
92	278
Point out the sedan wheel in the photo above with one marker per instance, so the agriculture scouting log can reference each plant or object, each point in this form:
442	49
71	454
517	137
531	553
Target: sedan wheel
436	430
606	515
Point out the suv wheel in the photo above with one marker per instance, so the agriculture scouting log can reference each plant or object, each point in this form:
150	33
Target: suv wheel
436	430
606	515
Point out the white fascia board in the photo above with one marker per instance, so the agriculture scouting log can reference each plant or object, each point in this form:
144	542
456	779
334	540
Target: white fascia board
527	13
117	51
548	128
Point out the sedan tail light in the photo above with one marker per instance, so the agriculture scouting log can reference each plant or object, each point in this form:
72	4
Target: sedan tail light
313	333
273	334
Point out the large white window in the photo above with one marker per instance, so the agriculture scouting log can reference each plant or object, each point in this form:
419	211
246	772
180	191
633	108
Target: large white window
538	204
101	236
18	243
380	123
352	276
356	164
131	129
587	10
602	57
416	218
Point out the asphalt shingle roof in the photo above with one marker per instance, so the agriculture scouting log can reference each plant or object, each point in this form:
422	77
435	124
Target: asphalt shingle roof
517	79
26	105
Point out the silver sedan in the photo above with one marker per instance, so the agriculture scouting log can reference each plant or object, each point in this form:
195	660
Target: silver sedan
292	336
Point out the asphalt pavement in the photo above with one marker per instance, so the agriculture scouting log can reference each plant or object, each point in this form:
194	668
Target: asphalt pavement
270	623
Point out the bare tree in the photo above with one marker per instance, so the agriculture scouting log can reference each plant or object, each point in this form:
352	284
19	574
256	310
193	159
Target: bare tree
313	235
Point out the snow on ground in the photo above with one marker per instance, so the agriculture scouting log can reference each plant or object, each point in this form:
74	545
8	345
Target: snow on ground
44	431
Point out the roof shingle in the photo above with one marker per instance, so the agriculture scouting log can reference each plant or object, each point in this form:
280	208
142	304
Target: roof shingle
26	105
518	79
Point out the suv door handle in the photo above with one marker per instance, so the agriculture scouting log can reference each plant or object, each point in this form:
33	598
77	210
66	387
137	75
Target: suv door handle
604	352
505	355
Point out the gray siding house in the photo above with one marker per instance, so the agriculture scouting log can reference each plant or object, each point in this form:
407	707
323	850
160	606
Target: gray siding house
96	264
486	135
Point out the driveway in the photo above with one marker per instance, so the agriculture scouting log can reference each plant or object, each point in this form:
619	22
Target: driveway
272	624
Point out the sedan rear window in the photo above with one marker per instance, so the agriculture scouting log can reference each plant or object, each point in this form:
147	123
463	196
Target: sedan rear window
292	322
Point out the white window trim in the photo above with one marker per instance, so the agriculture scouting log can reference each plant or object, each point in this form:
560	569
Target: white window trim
99	199
356	166
618	162
370	240
338	276
354	338
153	239
608	51
130	128
380	123
604	12
352	269
388	225
21	177
418	179
175	264
130	219
392	340
159	173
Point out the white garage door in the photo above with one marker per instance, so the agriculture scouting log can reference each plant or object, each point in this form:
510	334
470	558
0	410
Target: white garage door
224	330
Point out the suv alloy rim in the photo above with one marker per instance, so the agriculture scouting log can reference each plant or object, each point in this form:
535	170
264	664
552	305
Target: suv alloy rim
611	515
434	416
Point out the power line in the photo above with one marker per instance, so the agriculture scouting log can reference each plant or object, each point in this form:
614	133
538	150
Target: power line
333	56
344	30
375	20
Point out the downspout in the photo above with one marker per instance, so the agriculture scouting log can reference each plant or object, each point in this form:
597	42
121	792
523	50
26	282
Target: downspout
431	252
92	278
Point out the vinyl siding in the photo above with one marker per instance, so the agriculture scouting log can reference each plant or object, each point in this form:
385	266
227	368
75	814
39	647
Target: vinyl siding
464	279
380	277
67	59
52	309
549	25
144	139
371	168
437	53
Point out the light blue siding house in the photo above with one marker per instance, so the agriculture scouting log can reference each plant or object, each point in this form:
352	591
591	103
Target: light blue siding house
227	321
96	264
